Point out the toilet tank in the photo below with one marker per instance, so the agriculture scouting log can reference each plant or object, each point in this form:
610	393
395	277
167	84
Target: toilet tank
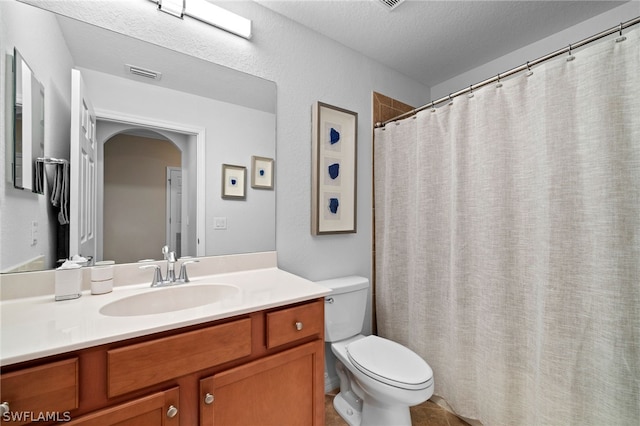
345	307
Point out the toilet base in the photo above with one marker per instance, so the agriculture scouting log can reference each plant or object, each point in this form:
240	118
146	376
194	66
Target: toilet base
352	416
370	413
375	413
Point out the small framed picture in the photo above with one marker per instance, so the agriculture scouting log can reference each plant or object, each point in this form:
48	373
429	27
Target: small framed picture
234	182
261	172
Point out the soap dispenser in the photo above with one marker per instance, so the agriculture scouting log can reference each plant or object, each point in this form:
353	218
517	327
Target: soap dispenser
68	281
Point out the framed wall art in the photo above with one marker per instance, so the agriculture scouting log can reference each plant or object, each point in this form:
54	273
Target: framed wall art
333	193
261	172
234	180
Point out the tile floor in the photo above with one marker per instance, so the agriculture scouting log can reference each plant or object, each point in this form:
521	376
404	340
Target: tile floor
426	414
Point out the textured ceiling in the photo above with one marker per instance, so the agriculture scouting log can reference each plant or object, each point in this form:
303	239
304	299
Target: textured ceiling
432	41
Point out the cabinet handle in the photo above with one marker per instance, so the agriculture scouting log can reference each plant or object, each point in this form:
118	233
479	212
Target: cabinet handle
4	408
172	411
299	325
208	399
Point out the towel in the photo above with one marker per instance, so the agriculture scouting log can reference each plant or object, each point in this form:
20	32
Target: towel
63	216
38	177
60	192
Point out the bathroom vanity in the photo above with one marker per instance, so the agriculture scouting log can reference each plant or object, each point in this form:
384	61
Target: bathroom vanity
255	358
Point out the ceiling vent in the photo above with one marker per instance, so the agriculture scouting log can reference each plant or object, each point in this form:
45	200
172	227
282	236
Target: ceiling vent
141	72
390	4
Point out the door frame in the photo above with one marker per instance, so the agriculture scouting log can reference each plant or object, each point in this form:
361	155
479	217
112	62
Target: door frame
200	135
169	216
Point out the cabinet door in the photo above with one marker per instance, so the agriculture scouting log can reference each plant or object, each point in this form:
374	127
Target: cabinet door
49	391
282	389
158	409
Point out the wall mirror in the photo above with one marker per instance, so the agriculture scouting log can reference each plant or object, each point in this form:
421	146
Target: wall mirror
145	98
28	126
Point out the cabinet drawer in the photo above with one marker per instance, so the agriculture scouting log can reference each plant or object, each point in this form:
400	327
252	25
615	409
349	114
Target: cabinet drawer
291	324
47	388
144	364
161	409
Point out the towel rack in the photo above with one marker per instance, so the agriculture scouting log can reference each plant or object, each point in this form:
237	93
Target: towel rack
51	160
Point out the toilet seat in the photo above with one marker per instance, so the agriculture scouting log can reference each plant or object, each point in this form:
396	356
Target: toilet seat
390	363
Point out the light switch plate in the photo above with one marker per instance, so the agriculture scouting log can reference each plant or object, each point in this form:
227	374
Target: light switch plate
219	223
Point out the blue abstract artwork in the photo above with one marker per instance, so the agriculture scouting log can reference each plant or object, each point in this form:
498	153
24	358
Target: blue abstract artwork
233	181
333	205
334	136
334	170
261	172
334	158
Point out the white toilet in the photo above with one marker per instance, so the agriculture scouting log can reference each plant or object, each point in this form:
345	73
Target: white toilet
379	379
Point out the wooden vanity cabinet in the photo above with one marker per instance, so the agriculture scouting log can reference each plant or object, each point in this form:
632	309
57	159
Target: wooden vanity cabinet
263	368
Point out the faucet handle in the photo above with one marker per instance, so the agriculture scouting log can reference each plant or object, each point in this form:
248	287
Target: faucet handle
157	275
183	277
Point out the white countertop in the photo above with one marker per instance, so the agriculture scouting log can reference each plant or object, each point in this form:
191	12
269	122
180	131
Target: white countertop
35	327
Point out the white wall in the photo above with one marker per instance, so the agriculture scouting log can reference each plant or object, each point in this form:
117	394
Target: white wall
538	49
50	65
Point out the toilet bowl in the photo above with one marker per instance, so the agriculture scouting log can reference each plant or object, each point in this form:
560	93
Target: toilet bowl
379	379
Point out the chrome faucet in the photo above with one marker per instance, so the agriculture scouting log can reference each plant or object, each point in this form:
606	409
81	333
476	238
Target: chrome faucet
183	277
157	280
170	278
171	267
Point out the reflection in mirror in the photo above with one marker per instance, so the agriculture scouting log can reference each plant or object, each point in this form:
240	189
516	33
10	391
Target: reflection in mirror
143	172
28	127
210	114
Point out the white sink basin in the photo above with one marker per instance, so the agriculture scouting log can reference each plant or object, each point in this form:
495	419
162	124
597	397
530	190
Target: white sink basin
169	299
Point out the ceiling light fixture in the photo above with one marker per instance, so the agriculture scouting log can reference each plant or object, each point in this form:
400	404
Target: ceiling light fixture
208	13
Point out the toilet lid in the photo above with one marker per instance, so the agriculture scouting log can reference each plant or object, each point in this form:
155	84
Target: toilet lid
390	363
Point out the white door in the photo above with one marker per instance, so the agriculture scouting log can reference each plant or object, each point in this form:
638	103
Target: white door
174	209
82	215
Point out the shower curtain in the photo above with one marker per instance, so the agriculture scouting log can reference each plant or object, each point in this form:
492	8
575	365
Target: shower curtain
508	242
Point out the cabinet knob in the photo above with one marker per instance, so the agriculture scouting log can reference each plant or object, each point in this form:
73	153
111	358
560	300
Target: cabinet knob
4	408
299	325
208	399
172	411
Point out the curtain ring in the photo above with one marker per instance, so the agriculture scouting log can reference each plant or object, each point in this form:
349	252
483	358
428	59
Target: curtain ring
621	38
470	95
433	106
499	83
450	100
570	57
529	72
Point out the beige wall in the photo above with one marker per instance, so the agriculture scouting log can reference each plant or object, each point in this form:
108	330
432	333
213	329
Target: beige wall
135	170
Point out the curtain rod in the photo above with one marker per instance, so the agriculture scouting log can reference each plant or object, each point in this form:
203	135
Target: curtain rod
528	65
